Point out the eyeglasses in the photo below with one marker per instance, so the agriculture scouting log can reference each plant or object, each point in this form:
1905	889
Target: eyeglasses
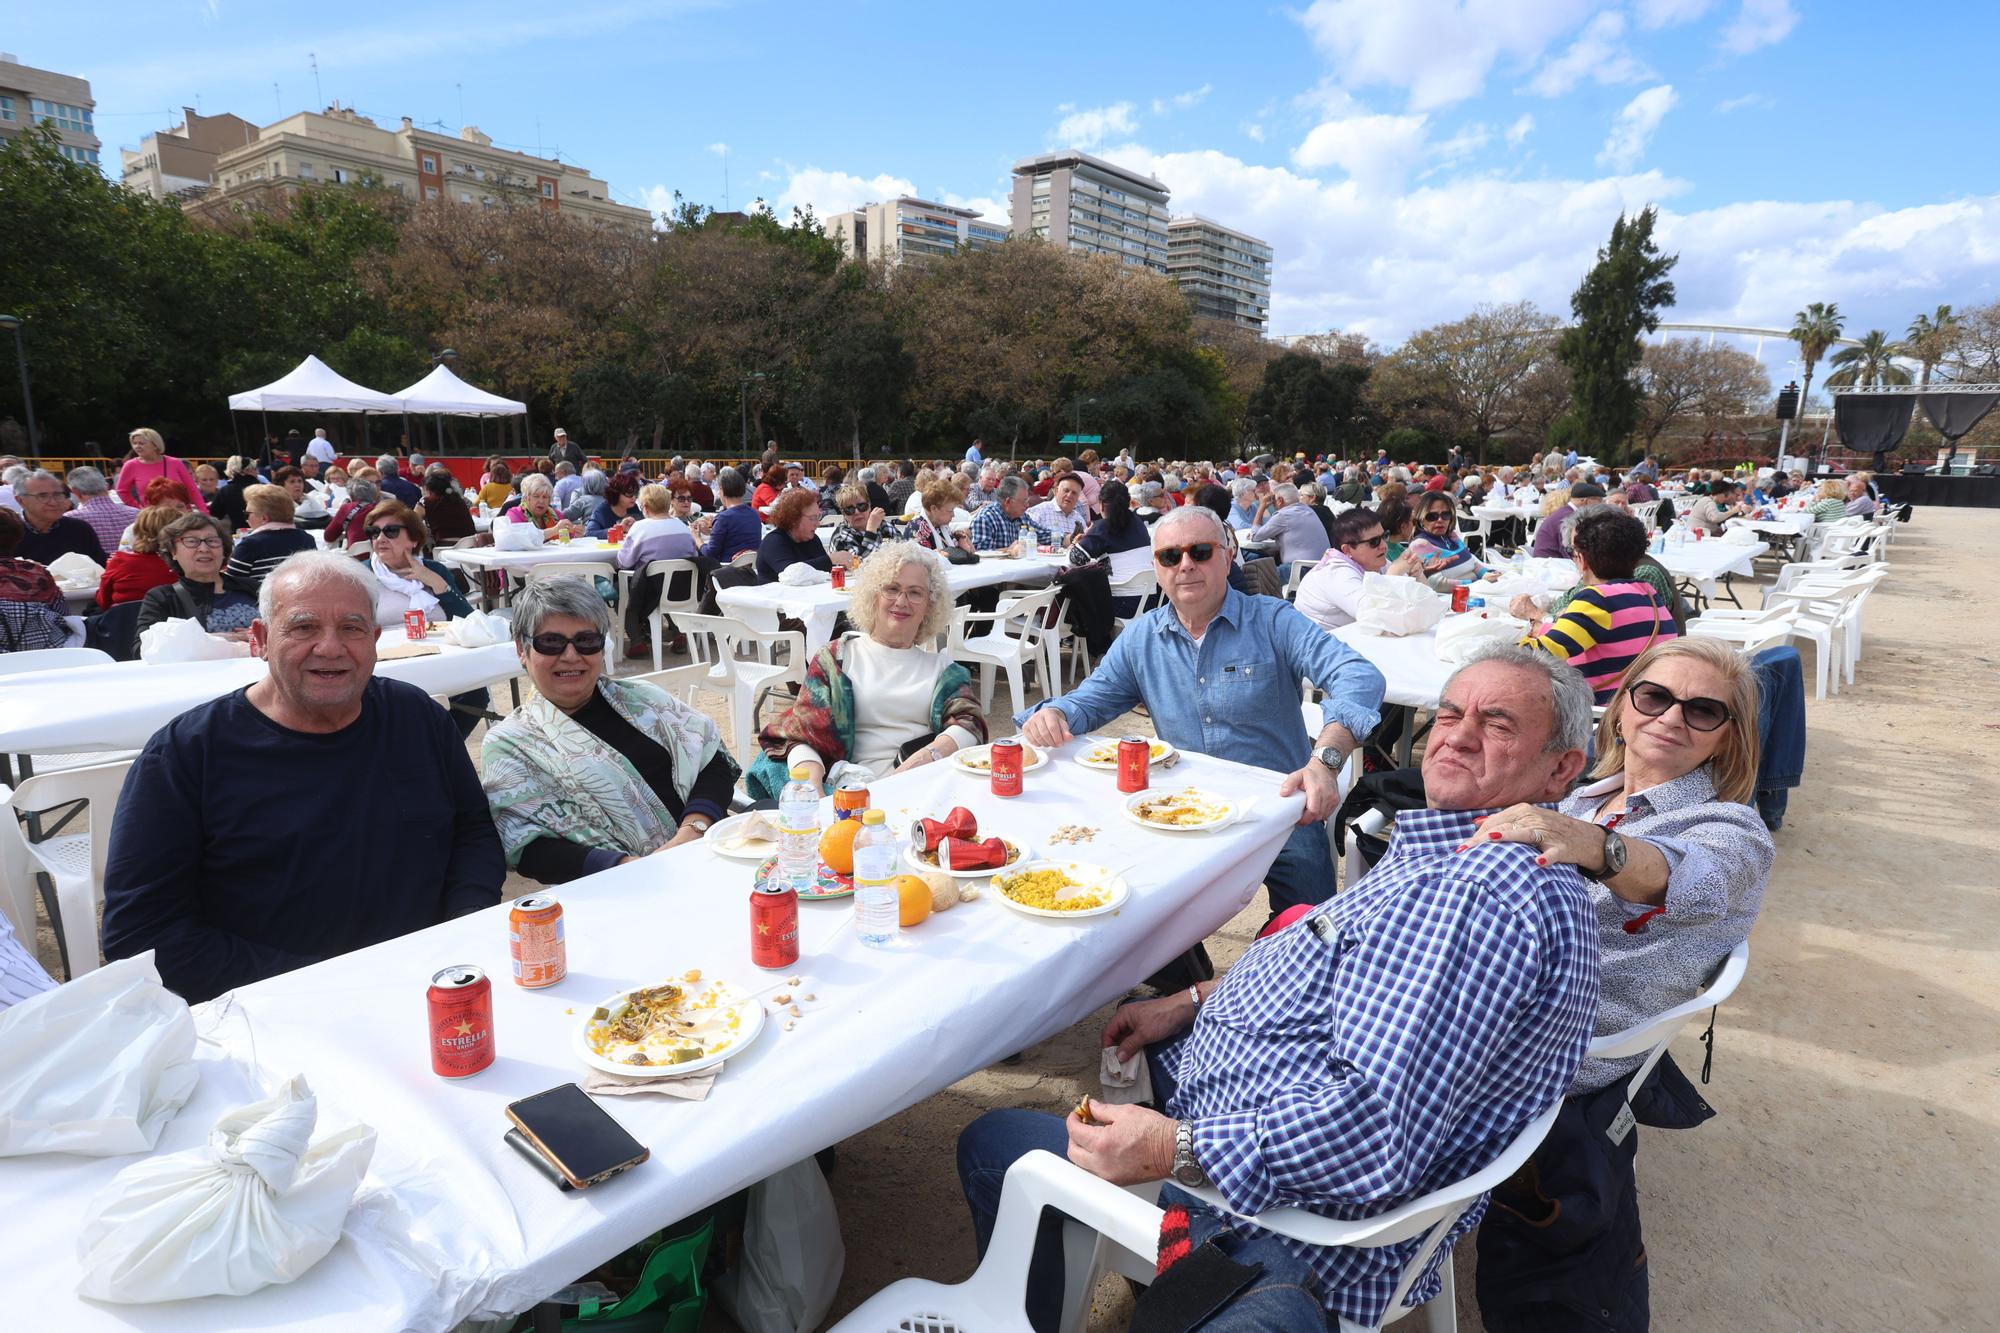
59	493
1700	714
1379	539
1438	515
550	644
200	543
390	530
1199	552
854	509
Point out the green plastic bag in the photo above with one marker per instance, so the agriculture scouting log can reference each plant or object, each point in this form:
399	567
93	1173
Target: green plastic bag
668	1298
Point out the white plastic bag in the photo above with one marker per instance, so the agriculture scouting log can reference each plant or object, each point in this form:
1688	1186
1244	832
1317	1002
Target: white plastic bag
1398	604
74	570
254	1206
511	536
802	575
1557	575
1458	636
792	1256
478	630
96	1067
184	640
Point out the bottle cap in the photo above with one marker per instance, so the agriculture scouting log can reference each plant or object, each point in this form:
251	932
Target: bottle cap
873	817
800	773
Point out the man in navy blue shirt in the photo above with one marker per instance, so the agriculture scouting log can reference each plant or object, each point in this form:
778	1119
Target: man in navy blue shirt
735	528
394	483
201	873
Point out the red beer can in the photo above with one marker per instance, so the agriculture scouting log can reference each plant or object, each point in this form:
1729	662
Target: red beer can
461	1005
1458	596
774	925
413	625
1006	763
850	798
535	939
839	577
1135	760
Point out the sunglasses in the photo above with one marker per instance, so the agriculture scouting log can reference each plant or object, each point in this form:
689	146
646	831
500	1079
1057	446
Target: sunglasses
1700	714
1438	515
386	530
854	509
1379	539
1201	553
550	644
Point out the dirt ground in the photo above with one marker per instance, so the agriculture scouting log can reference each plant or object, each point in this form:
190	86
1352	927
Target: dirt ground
1847	1181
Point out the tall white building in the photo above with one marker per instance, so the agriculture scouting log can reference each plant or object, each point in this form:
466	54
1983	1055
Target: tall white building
30	96
1224	273
1085	203
905	228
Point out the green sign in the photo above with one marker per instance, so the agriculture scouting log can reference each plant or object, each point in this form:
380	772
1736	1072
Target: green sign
1081	439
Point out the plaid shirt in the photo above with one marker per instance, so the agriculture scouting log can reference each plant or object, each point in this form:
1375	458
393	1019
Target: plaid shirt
1395	1040
992	530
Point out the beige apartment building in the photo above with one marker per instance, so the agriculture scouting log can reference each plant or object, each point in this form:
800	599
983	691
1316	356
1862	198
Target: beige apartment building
907	229
30	96
1088	204
1224	273
340	146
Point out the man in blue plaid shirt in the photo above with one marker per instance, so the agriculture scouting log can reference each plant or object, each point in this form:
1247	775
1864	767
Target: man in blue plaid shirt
996	526
1394	1039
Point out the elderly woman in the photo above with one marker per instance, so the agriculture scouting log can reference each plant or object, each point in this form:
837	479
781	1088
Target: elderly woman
1446	558
657	536
594	771
344	527
537	507
444	510
621	497
583	501
160	494
272	538
931	528
138	567
1613	616
882	700
793	539
307	503
1677	861
32	607
150	461
198	546
863	527
1829	502
396	541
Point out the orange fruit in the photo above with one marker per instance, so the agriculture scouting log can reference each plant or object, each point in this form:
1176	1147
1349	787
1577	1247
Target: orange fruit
836	845
915	896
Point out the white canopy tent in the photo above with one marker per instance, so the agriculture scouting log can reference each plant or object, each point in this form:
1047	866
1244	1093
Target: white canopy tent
313	386
446	395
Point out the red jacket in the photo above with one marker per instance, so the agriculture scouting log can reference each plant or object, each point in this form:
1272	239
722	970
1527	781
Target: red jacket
763	497
130	575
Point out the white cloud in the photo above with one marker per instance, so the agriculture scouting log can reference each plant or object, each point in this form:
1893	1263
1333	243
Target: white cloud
1634	127
1090	126
830	192
1758	23
1254	132
1520	130
1463	144
991	208
1747	102
1598	53
1441	51
1181	101
1372	148
1667	13
719	149
659	201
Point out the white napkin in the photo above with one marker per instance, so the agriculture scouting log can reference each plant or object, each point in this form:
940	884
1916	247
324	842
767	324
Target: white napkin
691	1089
802	575
477	630
74	570
1125	1082
184	640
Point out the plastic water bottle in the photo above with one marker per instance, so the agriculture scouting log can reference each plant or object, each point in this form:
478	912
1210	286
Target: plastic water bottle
1024	541
798	826
878	907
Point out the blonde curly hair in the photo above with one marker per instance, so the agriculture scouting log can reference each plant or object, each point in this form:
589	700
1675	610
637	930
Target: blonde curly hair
865	587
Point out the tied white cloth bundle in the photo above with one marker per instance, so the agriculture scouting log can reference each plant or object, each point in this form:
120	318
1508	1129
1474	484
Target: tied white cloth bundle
802	575
1125	1082
74	570
478	630
414	594
1397	604
258	1204
1459	635
184	640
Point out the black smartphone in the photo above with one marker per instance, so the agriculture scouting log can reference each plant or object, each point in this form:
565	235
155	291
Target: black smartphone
576	1135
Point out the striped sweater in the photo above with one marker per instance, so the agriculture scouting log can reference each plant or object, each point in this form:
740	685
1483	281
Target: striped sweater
1604	627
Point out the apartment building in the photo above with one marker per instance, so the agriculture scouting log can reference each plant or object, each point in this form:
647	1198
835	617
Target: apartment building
340	146
30	96
1088	204
906	229
1224	273
180	161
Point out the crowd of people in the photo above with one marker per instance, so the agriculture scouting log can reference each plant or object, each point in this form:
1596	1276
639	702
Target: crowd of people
1550	880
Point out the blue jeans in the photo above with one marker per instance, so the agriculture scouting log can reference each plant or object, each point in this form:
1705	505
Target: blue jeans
1303	870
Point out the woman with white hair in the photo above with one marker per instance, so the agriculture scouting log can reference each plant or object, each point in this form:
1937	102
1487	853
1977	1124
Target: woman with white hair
537	506
880	701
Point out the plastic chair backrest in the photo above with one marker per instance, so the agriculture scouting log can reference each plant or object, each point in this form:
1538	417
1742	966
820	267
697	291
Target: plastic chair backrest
1654	1034
669	570
51	659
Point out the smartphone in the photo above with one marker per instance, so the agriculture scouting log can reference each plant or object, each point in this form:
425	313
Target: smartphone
519	1143
576	1135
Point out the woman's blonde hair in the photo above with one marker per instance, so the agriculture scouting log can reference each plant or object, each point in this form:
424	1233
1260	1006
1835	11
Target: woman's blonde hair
150	523
150	436
853	493
940	495
273	502
1831	490
655	499
1733	766
876	572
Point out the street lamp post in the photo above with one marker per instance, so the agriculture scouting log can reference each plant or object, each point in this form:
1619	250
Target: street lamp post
437	360
13	322
743	410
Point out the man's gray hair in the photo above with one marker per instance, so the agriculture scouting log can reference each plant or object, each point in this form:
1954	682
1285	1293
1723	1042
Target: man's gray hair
594	481
311	567
565	468
1286	492
387	465
13	475
1241	487
563	595
1010	487
1570	696
87	481
1198	514
363	491
866	475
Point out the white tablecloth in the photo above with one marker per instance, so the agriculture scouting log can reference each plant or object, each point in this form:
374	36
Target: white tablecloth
1409	663
120	706
818	605
1703	562
492	557
451	1224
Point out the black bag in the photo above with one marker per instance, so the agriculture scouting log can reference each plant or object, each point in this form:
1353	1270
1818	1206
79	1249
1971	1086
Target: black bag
958	555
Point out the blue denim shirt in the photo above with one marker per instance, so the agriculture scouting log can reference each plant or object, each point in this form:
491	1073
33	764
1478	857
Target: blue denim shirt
1234	695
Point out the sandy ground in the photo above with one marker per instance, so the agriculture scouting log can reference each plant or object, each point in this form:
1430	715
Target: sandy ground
1848	1181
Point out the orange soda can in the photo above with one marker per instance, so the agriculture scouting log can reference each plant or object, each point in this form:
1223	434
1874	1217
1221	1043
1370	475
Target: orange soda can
535	940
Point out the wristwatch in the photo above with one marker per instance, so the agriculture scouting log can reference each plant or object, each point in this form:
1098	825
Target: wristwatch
1187	1171
1331	756
698	824
1614	857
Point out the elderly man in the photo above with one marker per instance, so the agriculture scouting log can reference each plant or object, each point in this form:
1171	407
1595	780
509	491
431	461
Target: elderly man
52	530
1301	537
394	484
997	526
568	481
201	871
1063	512
1219	671
1385	1044
1551	538
319	449
97	506
564	450
1859	499
1352	489
1330	596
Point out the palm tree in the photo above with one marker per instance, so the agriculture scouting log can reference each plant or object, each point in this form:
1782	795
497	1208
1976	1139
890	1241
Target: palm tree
1930	337
1870	361
1814	329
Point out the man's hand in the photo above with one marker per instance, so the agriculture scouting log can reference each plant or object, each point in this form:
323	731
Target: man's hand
1321	786
1046	727
1524	607
1129	1145
1140	1024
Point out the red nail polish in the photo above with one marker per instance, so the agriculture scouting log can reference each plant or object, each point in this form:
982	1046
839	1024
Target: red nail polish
1495	835
1541	860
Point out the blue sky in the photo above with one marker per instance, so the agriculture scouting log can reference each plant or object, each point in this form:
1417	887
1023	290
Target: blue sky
1408	158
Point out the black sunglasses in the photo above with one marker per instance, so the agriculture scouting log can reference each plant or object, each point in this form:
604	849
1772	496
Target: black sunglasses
386	530
1436	514
1700	714
854	509
1379	539
550	644
1199	552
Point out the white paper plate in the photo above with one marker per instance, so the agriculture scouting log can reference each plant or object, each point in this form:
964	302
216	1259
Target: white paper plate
1162	751
1084	872
914	859
960	759
1226	809
752	1022
723	829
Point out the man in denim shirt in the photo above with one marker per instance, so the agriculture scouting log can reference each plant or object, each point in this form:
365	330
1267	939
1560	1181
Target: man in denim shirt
1219	671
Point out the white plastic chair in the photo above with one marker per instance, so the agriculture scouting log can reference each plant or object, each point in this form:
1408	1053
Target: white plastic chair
744	682
1011	653
1300	568
1141	583
74	862
50	659
17	873
1655	1034
671	576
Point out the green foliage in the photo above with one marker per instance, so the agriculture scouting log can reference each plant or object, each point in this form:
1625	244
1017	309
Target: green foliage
1869	361
1408	443
1307	403
1620	299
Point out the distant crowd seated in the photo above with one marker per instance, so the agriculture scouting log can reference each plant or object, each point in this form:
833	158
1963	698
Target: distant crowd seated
1330	596
1712	512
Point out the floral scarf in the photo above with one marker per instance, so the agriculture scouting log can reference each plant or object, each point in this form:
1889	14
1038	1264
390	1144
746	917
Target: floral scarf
547	776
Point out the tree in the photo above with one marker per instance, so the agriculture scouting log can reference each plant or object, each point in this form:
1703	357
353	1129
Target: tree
1471	378
1869	362
1974	354
1685	380
1620	299
1814	329
1307	403
1930	339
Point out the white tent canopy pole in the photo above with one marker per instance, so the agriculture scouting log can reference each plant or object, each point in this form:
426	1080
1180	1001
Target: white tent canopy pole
445	393
313	386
